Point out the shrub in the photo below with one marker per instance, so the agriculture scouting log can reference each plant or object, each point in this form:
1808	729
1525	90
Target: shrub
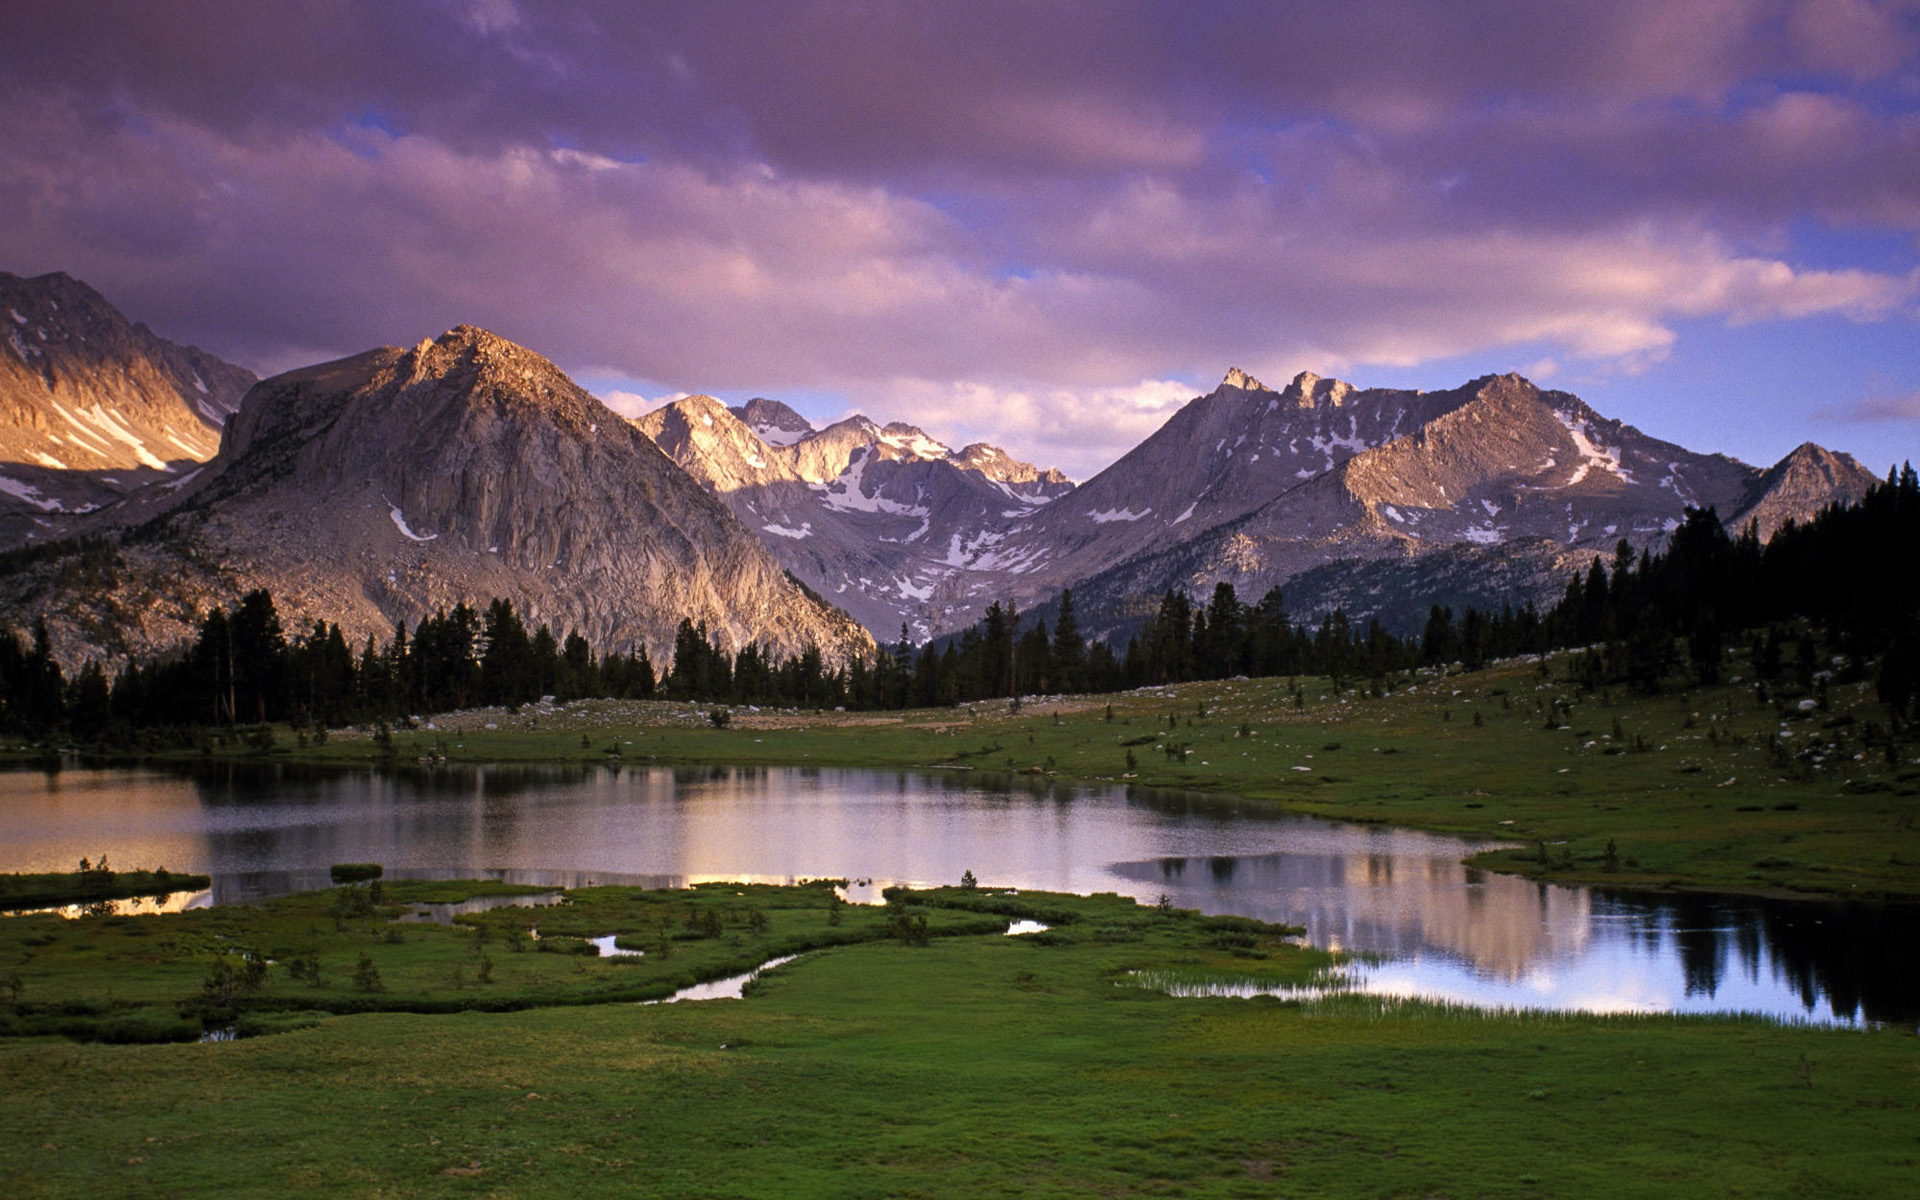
366	976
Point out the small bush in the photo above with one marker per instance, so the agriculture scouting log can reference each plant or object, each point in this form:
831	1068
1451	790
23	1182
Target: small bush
366	976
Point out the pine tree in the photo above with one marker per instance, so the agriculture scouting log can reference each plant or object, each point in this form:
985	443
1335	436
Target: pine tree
1069	649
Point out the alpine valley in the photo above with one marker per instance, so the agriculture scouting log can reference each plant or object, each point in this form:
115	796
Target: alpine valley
141	481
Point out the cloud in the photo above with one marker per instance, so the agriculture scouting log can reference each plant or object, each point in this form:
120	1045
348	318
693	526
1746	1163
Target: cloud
1879	404
1078	430
632	405
1032	228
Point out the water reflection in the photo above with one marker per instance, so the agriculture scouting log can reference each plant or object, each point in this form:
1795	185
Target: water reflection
1425	926
1428	925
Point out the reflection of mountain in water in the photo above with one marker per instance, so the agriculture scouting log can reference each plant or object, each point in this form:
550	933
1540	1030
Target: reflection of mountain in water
1848	960
1381	903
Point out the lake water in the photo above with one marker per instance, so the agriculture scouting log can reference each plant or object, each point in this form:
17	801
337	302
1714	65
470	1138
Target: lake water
1426	925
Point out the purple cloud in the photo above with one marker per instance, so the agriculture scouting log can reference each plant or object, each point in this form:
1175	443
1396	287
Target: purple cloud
1037	223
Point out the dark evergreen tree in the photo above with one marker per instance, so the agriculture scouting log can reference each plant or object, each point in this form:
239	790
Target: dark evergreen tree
1069	648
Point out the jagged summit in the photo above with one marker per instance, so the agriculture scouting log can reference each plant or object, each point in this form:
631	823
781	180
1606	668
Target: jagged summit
1309	390
357	397
386	485
1236	378
773	422
1799	485
84	388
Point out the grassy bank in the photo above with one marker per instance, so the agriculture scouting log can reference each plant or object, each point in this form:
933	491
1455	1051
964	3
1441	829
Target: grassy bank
973	1065
354	949
48	888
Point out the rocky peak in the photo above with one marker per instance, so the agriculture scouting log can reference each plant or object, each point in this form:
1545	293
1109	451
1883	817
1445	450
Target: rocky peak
1797	487
912	441
385	485
1311	391
773	422
1236	378
996	464
464	376
1510	385
1812	456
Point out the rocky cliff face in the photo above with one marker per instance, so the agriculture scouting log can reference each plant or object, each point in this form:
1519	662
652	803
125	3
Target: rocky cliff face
381	487
93	406
872	517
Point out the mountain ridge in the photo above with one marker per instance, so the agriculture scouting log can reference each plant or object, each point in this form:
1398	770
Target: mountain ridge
386	485
94	406
392	464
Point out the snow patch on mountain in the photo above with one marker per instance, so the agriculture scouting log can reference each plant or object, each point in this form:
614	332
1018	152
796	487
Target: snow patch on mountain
912	441
773	435
1592	455
400	523
30	494
847	493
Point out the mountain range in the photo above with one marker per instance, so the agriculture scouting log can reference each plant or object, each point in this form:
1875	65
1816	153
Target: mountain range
382	486
1245	485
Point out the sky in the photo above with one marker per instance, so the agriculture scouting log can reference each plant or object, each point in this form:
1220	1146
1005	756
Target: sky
1041	225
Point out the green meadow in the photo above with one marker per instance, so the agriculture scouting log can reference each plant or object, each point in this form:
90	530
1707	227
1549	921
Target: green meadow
916	1050
975	1064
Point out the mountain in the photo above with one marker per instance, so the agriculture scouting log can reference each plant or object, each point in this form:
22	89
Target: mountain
1324	478
875	518
383	486
1801	484
93	406
1372	498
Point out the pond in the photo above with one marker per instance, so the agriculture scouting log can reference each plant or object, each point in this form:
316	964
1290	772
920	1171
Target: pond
1423	924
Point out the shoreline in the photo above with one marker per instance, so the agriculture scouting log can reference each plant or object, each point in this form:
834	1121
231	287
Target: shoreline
1401	760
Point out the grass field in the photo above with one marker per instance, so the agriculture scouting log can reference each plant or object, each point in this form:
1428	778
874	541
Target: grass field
480	1064
976	1065
1711	788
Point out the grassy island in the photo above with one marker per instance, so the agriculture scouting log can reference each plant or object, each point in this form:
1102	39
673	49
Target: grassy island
92	885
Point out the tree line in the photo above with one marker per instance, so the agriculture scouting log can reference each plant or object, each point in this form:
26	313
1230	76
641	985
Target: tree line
1643	619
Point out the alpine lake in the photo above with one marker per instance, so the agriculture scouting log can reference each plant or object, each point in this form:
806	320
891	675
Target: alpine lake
1120	1006
1408	918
